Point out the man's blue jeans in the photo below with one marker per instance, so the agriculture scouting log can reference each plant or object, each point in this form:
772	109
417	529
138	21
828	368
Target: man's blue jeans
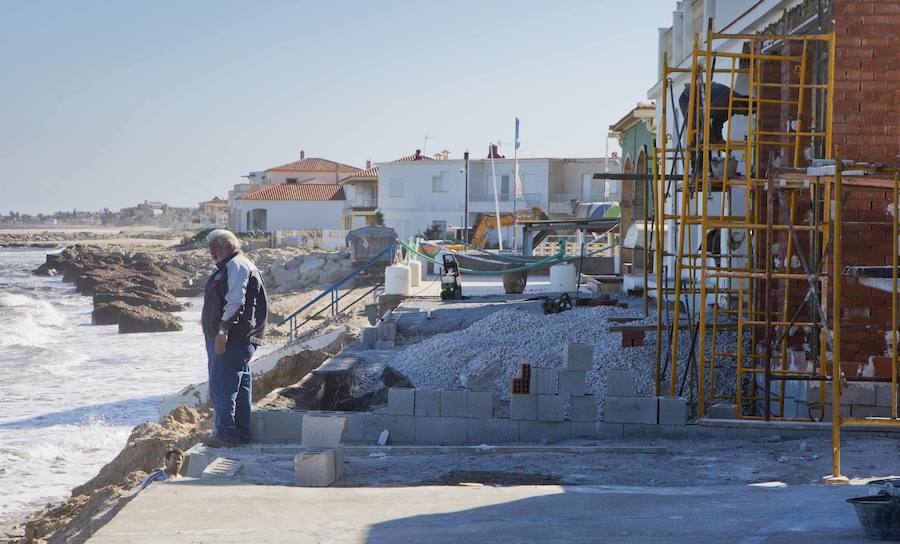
231	390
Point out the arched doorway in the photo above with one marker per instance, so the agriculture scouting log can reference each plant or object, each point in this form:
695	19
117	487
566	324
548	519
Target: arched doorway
257	219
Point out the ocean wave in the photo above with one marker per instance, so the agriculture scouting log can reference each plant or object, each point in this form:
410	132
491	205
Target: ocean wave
25	320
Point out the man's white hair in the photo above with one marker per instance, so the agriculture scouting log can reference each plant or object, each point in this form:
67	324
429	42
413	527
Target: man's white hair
224	240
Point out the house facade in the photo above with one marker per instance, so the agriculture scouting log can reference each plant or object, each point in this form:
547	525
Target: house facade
361	188
305	170
290	206
413	196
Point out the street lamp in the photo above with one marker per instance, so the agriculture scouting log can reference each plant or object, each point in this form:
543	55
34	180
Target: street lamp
466	203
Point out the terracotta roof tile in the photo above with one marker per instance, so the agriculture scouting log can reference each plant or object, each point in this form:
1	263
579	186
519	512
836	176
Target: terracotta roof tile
315	165
373	171
298	191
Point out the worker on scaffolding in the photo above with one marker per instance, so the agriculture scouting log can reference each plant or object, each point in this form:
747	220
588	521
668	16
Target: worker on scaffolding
720	97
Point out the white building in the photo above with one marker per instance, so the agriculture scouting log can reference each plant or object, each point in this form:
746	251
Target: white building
361	188
290	206
305	170
415	195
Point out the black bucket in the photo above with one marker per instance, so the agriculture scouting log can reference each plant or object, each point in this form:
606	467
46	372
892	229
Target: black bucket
879	516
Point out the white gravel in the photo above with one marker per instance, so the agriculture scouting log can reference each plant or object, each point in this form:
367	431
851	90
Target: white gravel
488	353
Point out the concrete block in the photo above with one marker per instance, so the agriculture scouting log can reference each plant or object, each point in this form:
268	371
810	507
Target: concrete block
384	345
355	432
338	462
862	412
544	432
371	313
523	407
276	425
578	357
721	411
551	407
322	431
854	393
597	430
221	468
583	408
454	403
402	429
882	394
401	402
387	331
196	460
428	402
572	382
620	383
642	430
441	431
673	410
544	381
631	410
492	431
314	468
369	337
480	404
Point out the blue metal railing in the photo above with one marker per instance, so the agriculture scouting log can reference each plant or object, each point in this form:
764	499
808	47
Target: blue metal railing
336	296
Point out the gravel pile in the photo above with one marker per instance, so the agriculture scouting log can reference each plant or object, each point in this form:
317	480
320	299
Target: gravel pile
488	353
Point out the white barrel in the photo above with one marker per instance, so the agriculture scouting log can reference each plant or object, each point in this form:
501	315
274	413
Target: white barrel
396	280
415	273
562	278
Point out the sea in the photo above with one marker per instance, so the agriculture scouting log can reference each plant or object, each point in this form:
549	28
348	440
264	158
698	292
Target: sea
70	392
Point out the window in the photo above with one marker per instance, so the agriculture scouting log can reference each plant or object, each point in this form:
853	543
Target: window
396	188
504	185
437	184
292	180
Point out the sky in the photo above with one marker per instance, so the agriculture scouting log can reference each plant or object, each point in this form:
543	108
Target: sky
107	104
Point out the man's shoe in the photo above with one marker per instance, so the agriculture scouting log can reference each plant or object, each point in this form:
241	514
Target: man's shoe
214	442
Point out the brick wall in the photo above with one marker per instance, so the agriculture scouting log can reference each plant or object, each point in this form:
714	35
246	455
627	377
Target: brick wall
867	79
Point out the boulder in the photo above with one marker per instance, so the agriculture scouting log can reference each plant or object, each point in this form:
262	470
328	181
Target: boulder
143	319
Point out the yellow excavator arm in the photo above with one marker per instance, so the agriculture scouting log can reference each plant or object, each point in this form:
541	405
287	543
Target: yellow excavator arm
488	222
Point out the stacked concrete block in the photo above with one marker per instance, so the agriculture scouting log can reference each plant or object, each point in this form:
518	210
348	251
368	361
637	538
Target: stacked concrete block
583	409
578	357
572	383
551	407
322	431
479	404
672	411
446	431
721	411
544	431
544	381
492	431
454	403
401	402
315	468
428	402
523	407
631	410
386	333
401	429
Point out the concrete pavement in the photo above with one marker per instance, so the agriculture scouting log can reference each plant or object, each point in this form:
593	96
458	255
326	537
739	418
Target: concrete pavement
195	511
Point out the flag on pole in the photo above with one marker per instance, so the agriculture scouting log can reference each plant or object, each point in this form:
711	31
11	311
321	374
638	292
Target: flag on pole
520	192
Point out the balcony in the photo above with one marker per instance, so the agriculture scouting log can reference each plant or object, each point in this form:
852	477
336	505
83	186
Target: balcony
361	204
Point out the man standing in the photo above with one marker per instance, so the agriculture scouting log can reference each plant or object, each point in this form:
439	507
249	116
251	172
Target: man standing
172	466
234	323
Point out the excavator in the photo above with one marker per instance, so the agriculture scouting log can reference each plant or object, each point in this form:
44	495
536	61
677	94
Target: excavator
487	222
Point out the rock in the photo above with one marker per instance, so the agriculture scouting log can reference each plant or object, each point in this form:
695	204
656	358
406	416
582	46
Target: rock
311	264
144	319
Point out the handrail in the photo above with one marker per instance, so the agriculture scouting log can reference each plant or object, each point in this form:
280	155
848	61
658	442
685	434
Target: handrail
334	286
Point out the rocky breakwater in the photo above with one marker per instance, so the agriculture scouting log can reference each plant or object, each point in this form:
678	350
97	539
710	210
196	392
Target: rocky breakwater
297	270
133	290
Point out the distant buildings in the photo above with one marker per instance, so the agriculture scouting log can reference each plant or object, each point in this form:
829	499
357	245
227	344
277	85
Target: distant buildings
215	212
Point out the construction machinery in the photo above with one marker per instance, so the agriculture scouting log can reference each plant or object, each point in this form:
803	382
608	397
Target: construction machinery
488	222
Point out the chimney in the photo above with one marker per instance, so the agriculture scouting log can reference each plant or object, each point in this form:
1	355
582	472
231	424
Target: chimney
302	154
418	154
368	164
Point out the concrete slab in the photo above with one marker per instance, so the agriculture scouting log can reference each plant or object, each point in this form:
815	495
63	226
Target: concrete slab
620	383
183	512
322	431
672	410
428	402
572	382
544	381
583	408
